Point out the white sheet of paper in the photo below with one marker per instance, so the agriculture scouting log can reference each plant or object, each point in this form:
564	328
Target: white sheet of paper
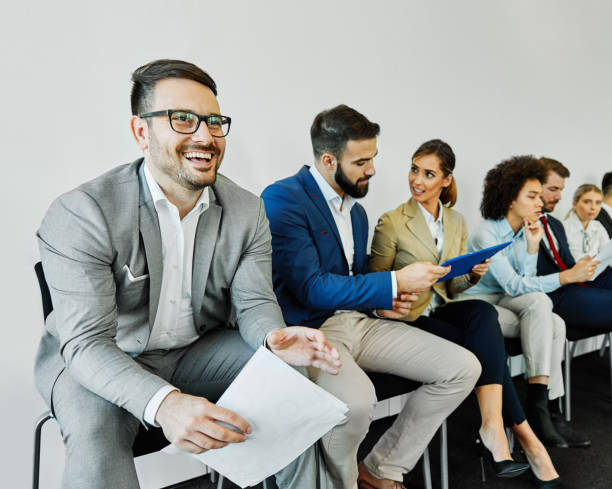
286	411
605	257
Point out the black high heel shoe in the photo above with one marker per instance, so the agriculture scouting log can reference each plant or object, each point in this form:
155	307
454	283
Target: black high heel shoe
503	468
551	484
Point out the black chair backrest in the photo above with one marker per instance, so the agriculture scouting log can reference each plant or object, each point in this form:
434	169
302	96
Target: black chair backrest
45	295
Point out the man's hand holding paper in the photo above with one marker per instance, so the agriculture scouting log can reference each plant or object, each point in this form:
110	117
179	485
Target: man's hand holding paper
271	395
189	422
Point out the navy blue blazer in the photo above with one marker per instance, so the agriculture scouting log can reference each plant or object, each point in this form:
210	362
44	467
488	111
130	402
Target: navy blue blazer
310	272
606	219
546	261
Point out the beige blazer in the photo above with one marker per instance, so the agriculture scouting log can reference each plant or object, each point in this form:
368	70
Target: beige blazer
402	237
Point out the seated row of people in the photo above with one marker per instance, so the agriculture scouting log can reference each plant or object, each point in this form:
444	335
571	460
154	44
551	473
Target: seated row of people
319	235
165	276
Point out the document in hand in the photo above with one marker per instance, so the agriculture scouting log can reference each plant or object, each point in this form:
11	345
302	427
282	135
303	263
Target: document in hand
286	411
605	257
461	265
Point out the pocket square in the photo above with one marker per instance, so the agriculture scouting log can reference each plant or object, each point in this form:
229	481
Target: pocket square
131	277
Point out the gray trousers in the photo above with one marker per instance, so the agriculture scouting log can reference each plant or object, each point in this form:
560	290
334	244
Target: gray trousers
448	373
542	333
99	435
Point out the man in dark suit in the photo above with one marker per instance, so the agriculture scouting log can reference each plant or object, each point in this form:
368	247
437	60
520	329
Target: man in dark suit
319	261
160	276
581	302
605	214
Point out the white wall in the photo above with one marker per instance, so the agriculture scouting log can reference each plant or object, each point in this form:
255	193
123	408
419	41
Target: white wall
492	78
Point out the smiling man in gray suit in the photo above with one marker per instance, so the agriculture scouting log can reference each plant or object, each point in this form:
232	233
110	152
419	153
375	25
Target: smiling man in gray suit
150	266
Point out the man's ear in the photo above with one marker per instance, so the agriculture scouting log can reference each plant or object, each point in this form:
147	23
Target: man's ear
328	161
140	131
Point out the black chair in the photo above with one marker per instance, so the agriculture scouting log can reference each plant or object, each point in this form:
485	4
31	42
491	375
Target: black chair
147	441
388	386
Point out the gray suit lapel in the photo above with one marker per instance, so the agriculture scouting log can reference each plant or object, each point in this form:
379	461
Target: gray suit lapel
204	247
151	238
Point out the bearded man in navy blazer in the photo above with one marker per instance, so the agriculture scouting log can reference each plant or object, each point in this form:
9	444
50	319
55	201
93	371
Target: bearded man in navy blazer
580	301
319	262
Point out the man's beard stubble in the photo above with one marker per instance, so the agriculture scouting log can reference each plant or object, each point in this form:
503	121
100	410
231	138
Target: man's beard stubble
172	165
352	189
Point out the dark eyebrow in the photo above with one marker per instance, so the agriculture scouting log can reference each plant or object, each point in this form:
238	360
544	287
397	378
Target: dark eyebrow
424	169
194	112
366	159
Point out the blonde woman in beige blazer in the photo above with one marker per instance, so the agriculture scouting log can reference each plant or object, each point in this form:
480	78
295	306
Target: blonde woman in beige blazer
426	229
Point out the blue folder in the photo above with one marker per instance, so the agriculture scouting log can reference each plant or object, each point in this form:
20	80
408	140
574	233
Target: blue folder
461	265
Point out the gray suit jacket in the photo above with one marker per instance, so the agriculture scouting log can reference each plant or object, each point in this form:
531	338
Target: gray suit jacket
101	251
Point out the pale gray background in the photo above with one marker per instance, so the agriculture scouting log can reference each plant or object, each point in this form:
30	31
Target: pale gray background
492	78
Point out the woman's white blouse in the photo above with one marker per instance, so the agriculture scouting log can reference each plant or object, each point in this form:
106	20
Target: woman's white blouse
584	241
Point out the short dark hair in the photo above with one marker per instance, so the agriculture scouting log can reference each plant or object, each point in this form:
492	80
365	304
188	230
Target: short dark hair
145	78
606	183
331	129
503	183
556	166
447	164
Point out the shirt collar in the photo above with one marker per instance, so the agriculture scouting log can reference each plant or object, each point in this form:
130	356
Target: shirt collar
330	195
607	208
429	218
158	195
506	231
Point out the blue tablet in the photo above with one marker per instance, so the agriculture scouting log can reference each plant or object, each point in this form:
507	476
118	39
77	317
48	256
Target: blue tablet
461	265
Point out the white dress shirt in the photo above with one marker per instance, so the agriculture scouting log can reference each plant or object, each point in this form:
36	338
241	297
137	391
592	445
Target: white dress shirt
174	325
583	241
607	208
341	212
436	228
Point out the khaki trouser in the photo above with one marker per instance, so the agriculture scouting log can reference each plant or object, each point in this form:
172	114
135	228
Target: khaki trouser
448	373
542	333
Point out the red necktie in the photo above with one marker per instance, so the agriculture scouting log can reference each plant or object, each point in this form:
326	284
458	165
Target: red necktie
551	242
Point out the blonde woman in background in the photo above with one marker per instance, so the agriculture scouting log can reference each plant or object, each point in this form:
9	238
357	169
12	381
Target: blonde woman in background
585	235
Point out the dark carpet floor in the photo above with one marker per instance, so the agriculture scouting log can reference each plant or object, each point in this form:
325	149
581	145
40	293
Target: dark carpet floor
586	468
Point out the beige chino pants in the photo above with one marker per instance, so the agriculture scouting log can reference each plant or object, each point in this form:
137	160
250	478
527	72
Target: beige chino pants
542	333
448	373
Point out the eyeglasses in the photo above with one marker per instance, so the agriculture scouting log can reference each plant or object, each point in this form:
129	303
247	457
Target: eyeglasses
185	122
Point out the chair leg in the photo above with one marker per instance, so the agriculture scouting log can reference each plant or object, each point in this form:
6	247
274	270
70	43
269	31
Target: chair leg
426	469
220	483
213	476
568	392
604	343
444	456
37	436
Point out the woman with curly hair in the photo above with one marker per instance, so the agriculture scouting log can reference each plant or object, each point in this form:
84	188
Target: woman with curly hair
426	229
511	206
